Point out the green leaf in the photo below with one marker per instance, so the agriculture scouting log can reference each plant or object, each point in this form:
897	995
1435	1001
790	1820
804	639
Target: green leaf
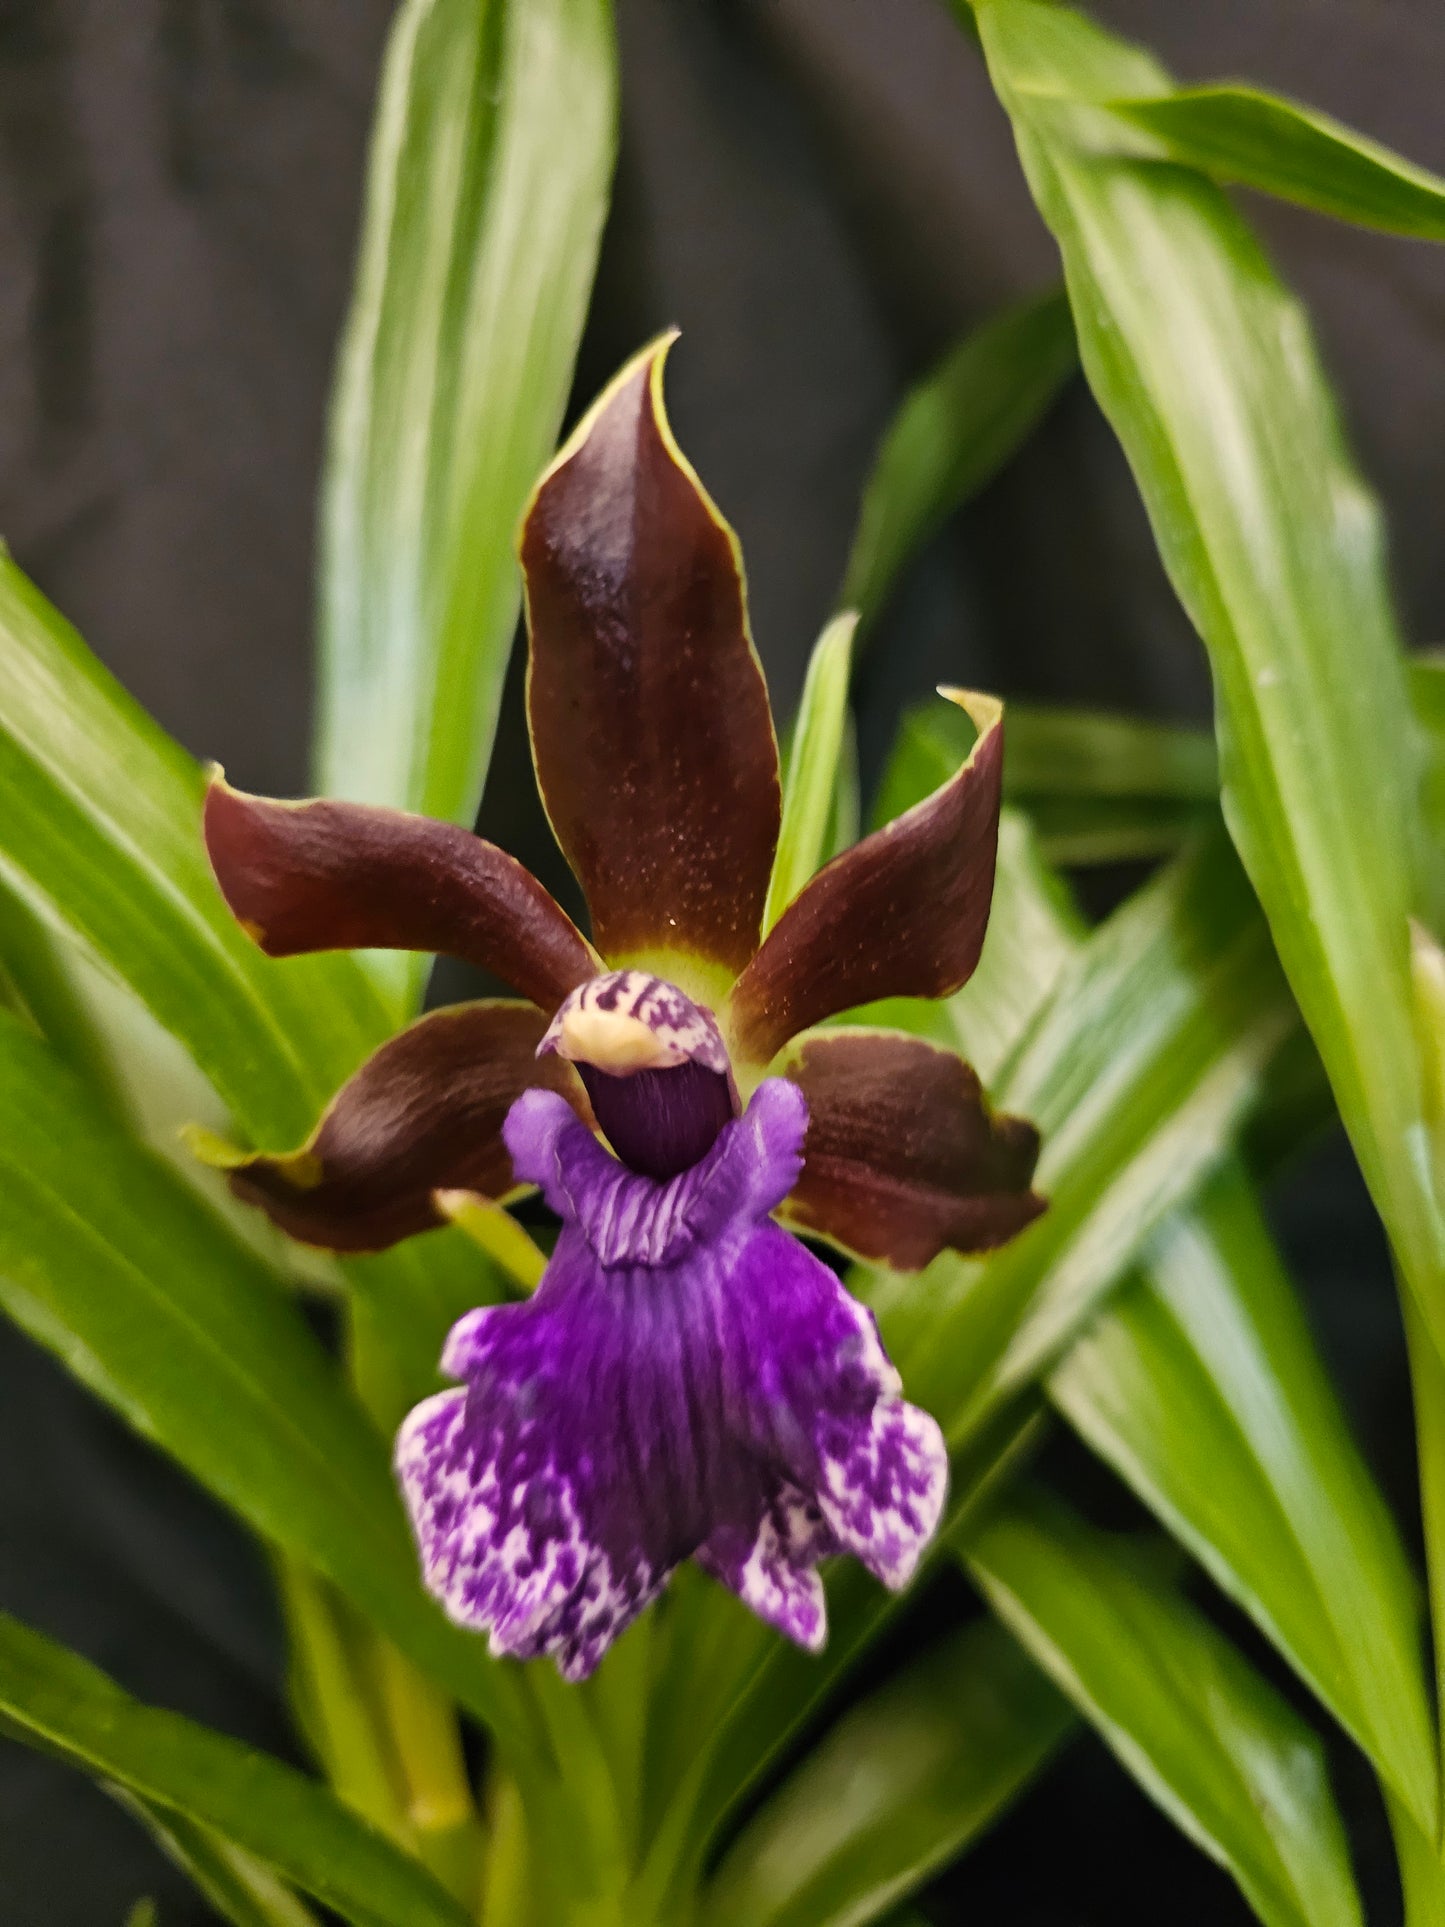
1206	369
101	836
731	1699
37	983
1108	789
1196	1726
1098	788
101	839
1248	138
1421	1881
57	1701
908	1777
1138	1073
490	167
241	1888
1427	693
953	433
1082	752
108	1260
1199	1383
810	788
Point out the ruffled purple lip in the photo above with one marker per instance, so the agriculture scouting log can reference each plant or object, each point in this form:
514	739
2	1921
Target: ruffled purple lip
687	1382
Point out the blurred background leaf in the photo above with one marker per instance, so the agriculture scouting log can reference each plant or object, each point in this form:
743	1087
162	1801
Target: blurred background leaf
60	1703
1206	369
905	1780
491	162
1220	1750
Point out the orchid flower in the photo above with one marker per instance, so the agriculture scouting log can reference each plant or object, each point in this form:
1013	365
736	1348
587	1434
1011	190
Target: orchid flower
689	1379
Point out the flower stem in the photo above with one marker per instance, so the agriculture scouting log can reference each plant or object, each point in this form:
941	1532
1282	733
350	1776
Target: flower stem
417	1723
334	1705
440	1810
504	1899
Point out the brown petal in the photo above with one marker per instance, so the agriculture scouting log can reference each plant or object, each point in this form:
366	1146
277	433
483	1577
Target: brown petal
349	876
901	914
903	1156
423	1114
651	729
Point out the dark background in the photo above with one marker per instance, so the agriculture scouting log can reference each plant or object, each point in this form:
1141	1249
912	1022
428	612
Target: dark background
822	192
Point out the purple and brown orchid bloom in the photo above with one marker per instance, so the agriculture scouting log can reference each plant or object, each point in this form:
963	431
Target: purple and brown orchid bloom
689	1379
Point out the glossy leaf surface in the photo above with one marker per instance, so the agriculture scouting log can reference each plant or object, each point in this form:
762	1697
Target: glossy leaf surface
811	779
490	167
57	1701
1199	1383
1190	1719
955	429
102	835
1249	138
908	1777
114	1265
1208	374
242	1889
1137	1074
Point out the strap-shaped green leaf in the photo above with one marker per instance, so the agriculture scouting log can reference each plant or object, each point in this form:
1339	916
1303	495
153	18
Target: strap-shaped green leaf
55	1700
1098	788
1138	1073
111	1262
814	764
101	835
1107	789
953	433
241	1888
1207	372
490	167
1198	1728
1200	1385
1254	139
907	1779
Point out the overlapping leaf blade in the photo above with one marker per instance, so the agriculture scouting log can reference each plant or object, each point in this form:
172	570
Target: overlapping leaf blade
57	1701
1202	1732
241	1888
490	168
1206	369
908	1777
112	1263
101	836
956	428
1219	1415
1144	1064
1249	138
101	840
815	761
1199	1383
1107	789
